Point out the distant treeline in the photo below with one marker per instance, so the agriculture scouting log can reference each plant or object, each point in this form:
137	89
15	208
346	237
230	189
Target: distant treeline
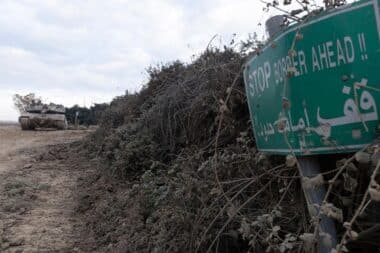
86	116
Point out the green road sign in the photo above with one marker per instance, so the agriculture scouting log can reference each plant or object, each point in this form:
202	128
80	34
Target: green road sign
321	95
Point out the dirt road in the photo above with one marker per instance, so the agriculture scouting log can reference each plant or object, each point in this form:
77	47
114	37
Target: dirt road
37	191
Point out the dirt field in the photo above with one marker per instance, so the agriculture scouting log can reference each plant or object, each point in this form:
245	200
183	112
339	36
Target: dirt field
37	191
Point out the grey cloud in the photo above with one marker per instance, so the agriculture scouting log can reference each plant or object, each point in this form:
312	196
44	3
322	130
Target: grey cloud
73	50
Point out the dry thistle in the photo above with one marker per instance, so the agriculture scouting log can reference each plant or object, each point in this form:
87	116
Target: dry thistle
309	241
313	182
332	211
353	235
363	157
291	161
374	191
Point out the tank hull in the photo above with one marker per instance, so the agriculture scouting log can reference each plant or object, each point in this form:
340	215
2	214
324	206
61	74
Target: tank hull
31	121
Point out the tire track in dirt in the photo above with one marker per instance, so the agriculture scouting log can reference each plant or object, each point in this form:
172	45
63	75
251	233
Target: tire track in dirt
37	191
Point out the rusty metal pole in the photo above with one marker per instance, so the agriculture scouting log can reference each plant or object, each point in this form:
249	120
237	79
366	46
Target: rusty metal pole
310	167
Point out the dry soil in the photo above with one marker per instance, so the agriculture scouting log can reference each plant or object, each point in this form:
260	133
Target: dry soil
38	191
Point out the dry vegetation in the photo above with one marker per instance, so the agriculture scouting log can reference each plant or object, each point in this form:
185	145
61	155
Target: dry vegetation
187	156
180	172
174	168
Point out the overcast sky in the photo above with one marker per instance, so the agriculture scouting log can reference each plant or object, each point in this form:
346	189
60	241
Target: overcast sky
88	51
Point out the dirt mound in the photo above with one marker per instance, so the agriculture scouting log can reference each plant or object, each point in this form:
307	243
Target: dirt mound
187	166
179	171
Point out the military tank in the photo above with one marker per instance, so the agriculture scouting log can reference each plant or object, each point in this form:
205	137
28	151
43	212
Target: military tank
40	115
